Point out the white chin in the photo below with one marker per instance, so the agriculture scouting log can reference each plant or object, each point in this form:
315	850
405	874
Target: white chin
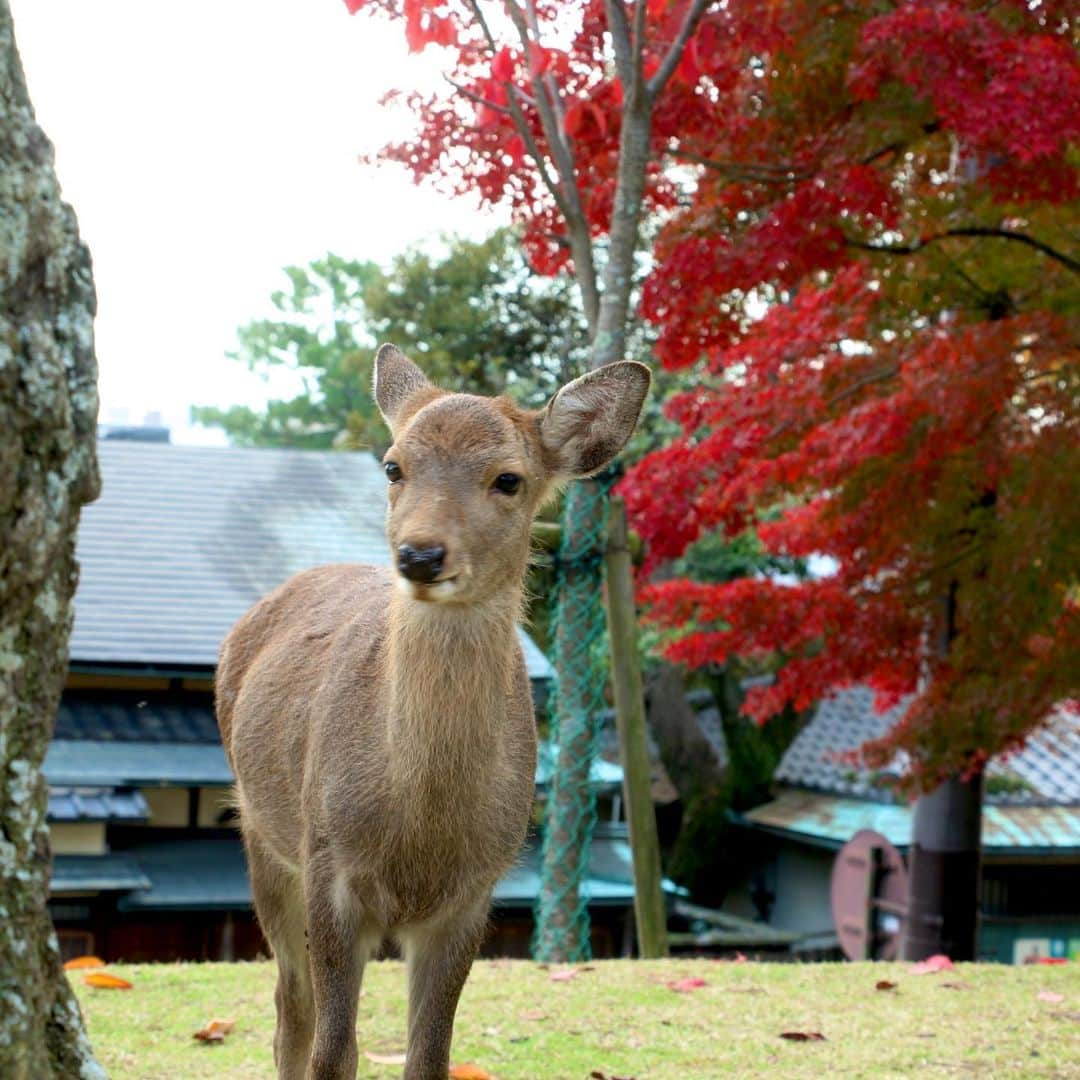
439	592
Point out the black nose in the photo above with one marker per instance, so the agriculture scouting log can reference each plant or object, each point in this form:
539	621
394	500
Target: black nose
420	564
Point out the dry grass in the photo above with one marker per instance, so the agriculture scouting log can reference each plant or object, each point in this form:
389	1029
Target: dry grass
622	1019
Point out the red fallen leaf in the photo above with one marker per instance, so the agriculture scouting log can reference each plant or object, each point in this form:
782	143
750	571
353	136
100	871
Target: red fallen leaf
884	984
215	1031
564	974
1053	960
1049	995
932	964
104	981
469	1072
803	1036
384	1059
685	986
81	962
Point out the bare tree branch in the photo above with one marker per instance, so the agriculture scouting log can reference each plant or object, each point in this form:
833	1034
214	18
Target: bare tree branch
674	54
973	231
621	39
562	156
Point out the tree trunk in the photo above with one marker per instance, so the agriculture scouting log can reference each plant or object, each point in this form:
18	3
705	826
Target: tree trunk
48	470
944	872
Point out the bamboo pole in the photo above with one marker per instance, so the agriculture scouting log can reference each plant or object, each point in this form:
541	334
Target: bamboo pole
649	909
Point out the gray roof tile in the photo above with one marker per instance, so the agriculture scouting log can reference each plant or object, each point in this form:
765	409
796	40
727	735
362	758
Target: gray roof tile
1045	772
184	539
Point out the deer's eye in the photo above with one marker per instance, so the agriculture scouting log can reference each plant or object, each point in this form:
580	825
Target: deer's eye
393	471
507	483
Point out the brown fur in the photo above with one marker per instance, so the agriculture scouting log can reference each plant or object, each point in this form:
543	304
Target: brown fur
381	732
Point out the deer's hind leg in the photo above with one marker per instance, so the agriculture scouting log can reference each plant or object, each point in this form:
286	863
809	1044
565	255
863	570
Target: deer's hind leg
279	903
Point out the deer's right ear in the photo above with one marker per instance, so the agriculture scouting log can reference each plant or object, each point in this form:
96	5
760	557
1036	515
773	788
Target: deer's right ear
397	378
590	419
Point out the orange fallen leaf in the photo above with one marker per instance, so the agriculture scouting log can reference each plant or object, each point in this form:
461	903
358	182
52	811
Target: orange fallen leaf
469	1072
931	965
105	981
803	1036
81	962
884	984
215	1031
384	1059
685	986
1049	995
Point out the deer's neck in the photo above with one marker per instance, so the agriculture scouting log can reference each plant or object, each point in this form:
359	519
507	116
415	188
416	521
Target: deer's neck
451	671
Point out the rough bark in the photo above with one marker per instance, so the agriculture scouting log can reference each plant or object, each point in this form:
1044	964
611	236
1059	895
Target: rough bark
48	470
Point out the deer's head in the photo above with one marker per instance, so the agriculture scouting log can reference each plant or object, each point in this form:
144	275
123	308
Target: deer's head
467	474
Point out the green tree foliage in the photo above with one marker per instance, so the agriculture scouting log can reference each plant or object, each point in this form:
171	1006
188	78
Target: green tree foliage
471	315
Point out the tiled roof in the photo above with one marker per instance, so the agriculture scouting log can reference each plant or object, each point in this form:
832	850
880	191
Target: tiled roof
96	804
90	873
115	716
184	539
211	873
1045	772
90	763
831	821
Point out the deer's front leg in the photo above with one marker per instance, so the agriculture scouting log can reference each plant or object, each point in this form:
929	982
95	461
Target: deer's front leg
438	963
338	948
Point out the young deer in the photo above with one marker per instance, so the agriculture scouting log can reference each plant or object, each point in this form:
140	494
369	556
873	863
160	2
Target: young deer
379	723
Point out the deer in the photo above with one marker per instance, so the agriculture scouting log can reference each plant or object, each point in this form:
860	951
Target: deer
379	721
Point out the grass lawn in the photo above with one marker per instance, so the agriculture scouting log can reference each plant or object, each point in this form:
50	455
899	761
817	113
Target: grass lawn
622	1019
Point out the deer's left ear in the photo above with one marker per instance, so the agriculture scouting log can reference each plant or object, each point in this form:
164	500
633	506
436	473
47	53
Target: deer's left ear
590	419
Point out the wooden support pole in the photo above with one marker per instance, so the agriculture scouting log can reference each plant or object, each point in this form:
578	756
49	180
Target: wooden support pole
633	749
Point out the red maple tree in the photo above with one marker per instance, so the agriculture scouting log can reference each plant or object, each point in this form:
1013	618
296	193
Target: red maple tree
865	219
887	301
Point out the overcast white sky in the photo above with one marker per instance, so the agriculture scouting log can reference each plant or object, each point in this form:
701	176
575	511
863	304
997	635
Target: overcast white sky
204	146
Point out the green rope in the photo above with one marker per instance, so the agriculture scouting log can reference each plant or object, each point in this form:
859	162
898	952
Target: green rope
579	635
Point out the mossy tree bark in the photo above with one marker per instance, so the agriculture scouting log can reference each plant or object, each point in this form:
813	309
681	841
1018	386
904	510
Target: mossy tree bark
48	470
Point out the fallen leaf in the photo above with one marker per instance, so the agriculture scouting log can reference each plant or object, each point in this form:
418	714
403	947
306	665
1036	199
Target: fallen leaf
685	986
384	1059
1057	1014
953	986
1053	960
469	1072
105	981
215	1031
803	1036
534	1014
1049	995
81	962
884	984
931	965
596	1074
563	974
